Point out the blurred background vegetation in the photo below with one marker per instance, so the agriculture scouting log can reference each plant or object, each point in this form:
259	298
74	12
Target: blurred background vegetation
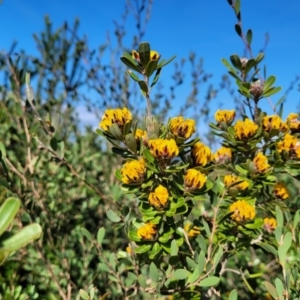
62	171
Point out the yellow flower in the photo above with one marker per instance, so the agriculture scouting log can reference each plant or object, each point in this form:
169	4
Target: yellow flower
139	134
280	191
129	249
226	116
193	179
223	155
261	163
159	198
270	224
293	122
245	129
271	122
147	231
288	144
115	116
230	179
182	128
133	171
163	149
191	231
153	55
284	127
201	154
242	211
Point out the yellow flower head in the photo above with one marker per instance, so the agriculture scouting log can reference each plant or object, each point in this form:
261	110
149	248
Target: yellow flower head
242	211
280	191
261	163
129	249
230	179
270	224
293	122
163	149
245	129
289	144
115	116
133	171
139	134
271	122
191	231
201	154
284	127
225	116
147	231
159	198
153	55
193	179
223	155
182	128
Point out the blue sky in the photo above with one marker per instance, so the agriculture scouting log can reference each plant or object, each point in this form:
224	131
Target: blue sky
175	27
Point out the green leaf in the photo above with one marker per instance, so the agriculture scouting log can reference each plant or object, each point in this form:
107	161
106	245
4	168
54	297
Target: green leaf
279	217
86	233
271	91
130	62
237	6
100	235
194	276
181	274
142	281
154	274
164	62
156	77
131	142
279	286
143	86
116	132
201	242
142	249
8	210
238	29
83	294
249	36
191	263
271	289
296	219
268	248
283	249
133	75
210	281
236	61
113	216
269	82
132	234
174	248
233	295
25	236
154	251
53	143
201	262
144	53
259	57
151	67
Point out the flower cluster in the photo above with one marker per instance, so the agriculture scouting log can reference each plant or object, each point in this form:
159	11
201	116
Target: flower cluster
245	129
242	211
236	182
115	116
163	149
133	171
182	128
201	154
